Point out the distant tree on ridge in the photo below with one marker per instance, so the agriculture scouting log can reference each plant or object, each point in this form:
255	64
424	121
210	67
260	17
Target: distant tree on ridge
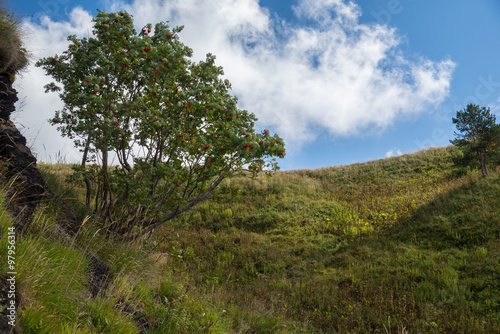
478	136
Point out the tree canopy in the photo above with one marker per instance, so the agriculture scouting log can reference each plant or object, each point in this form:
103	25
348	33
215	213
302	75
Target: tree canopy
477	136
170	122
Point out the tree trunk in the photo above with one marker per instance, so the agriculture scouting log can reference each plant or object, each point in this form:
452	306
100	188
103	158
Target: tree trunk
482	162
105	183
85	177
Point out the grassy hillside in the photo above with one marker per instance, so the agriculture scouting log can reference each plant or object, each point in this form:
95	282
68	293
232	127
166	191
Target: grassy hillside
400	245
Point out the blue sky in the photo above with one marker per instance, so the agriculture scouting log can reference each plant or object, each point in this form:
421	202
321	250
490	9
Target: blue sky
340	81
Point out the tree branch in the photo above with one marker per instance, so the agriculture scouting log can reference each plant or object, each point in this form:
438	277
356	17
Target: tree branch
171	215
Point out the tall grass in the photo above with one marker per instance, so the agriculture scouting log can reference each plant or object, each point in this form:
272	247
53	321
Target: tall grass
400	245
344	249
13	57
54	295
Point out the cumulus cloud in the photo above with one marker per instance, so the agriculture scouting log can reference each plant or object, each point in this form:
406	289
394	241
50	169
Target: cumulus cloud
394	152
35	106
324	72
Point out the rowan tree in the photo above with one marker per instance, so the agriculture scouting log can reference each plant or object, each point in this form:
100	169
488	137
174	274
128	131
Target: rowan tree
170	123
477	136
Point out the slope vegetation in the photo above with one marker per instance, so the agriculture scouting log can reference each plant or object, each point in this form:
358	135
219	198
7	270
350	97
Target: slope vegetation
400	245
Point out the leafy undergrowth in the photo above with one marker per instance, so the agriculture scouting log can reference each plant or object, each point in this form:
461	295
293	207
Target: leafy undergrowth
400	245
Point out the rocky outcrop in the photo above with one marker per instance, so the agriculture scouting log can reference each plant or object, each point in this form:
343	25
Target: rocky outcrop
27	187
21	180
16	159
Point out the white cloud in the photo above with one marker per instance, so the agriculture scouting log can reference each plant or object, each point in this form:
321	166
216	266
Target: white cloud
394	152
333	75
36	107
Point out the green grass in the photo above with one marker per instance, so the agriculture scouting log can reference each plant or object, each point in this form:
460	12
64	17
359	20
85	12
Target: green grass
345	249
401	245
52	284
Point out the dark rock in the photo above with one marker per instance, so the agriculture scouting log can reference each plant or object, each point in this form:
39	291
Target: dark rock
99	273
16	158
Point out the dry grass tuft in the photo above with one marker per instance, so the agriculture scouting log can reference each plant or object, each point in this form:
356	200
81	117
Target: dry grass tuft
13	57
